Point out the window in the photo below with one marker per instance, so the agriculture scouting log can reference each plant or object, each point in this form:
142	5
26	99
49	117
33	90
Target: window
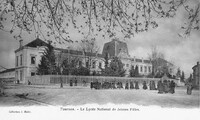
21	75
145	69
80	63
32	73
141	68
17	75
149	69
170	70
93	64
87	64
100	65
17	60
21	59
33	59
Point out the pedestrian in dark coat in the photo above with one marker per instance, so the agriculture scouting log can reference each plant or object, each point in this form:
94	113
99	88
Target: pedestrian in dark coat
91	84
168	86
71	83
75	82
165	86
144	85
131	85
189	88
153	85
150	85
121	85
126	86
172	87
160	87
136	85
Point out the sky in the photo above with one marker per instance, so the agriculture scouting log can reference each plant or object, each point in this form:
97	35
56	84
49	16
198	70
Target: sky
183	52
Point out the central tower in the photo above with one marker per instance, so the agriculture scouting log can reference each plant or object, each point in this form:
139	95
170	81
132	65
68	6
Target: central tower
115	48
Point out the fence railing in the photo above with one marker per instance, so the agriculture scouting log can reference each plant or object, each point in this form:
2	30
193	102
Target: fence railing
56	79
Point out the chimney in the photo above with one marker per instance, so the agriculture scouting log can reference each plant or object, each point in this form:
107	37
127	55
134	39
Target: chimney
20	43
197	63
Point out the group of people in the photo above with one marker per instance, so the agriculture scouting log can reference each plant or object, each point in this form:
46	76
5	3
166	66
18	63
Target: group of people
166	86
119	85
162	86
73	82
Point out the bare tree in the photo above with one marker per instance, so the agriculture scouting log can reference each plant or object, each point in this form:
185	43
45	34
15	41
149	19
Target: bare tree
56	17
90	49
159	64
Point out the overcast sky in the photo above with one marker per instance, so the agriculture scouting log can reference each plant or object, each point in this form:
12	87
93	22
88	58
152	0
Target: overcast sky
183	52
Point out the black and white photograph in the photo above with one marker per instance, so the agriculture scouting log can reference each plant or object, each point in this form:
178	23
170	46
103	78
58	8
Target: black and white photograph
99	59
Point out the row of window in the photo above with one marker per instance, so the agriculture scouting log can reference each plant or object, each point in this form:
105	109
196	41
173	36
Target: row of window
20	58
93	64
146	68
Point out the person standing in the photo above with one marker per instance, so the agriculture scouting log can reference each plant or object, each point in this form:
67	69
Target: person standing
71	83
75	82
150	85
144	85
153	85
165	86
172	87
2	87
136	85
189	88
126	86
160	87
131	85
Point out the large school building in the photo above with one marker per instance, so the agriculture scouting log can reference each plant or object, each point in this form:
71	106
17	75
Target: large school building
27	58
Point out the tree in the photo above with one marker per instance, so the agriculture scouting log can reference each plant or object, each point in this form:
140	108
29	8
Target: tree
89	47
115	68
106	16
48	61
70	66
106	60
155	57
183	76
83	71
131	71
136	72
178	74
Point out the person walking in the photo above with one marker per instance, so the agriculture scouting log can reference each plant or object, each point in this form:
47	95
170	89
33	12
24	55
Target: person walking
160	87
131	85
126	86
75	82
144	85
71	83
189	88
136	85
172	87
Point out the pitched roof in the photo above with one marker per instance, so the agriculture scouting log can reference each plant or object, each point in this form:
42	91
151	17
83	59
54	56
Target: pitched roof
36	42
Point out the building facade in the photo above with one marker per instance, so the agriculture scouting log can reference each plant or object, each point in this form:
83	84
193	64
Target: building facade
117	48
8	74
196	74
27	58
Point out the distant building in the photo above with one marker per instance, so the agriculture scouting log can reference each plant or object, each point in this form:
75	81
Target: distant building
196	74
8	74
